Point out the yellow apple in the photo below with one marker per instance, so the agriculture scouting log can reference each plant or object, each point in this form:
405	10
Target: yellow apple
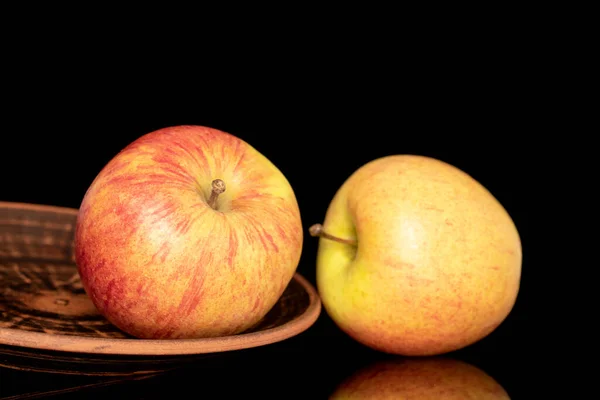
188	232
416	257
422	379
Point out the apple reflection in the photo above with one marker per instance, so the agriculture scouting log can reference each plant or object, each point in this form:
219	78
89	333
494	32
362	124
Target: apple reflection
421	378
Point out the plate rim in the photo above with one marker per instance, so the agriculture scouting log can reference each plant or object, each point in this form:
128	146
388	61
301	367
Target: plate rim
153	347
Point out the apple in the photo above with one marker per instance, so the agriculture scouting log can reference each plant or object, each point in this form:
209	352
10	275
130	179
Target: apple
188	232
415	257
423	379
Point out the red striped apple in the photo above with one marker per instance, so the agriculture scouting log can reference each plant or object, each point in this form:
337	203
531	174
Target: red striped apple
416	257
188	232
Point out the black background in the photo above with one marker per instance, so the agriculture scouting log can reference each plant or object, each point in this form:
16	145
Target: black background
318	121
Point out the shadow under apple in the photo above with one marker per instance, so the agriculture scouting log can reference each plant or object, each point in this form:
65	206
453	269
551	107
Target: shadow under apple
437	378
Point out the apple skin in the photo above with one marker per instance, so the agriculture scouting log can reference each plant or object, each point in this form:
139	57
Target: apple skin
423	379
437	264
159	263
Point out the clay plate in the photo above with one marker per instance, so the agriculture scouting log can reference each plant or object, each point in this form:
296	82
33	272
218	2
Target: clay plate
47	322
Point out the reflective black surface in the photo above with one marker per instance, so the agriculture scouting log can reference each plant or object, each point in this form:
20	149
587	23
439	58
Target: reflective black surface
317	134
310	366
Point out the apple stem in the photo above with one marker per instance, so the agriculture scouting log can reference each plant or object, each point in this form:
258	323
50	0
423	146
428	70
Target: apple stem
317	230
218	187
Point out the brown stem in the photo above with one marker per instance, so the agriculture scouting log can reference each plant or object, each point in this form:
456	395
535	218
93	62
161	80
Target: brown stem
317	230
218	187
